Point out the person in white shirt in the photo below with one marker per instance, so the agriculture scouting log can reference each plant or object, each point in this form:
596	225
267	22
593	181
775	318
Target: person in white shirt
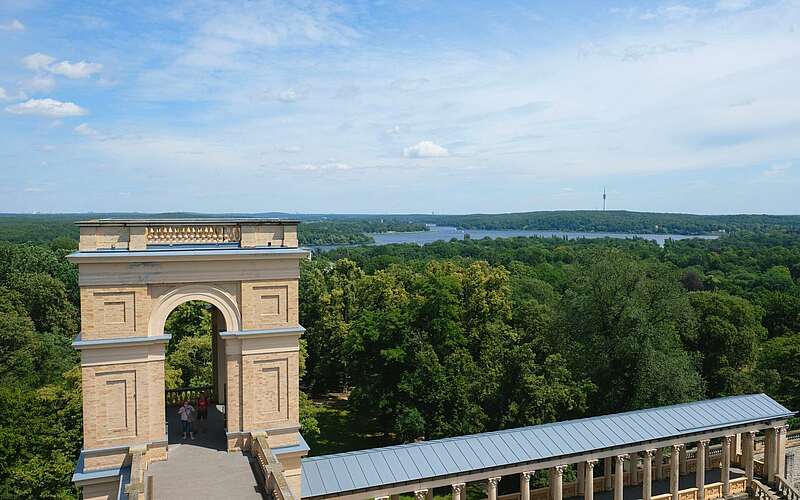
186	412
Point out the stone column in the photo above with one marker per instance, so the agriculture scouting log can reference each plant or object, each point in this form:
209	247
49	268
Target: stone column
459	491
736	448
588	482
684	461
769	454
394	497
580	474
674	470
780	458
725	468
619	476
556	481
525	485
700	473
429	495
647	474
659	462
607	474
491	488
748	442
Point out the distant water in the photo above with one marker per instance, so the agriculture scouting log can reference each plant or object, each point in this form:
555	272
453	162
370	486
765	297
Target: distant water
447	233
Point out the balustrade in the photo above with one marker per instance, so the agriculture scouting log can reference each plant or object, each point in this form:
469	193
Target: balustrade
192	234
271	469
786	490
738	486
762	492
179	395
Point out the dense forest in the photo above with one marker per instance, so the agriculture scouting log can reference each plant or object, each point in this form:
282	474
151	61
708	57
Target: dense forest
439	340
615	221
45	228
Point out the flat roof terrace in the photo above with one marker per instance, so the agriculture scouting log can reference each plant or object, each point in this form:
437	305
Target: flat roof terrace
140	235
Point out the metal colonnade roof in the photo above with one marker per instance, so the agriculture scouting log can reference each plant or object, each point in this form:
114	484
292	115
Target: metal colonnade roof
356	470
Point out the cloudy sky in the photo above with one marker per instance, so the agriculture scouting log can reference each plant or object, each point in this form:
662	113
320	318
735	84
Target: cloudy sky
399	106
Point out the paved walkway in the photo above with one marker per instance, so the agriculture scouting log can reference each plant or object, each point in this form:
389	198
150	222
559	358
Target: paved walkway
202	468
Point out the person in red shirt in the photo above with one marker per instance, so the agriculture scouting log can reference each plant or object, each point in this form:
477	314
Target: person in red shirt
202	412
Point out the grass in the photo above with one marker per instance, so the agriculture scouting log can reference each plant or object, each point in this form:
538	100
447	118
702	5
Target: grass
338	433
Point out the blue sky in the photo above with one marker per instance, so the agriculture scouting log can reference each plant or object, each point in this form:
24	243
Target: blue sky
399	106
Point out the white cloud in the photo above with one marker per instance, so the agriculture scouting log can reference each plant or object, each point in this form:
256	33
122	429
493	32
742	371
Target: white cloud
777	170
40	83
733	5
314	167
85	129
409	84
46	107
38	61
13	25
425	149
288	95
81	69
3	94
46	63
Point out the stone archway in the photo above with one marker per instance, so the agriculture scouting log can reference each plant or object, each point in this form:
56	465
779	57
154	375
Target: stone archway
133	273
166	300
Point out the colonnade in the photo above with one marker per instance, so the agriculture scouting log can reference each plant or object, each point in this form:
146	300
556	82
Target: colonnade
735	448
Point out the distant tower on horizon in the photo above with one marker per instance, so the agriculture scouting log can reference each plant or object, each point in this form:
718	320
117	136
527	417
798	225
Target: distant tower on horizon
604	198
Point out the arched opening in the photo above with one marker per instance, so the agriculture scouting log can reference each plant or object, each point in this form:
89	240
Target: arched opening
194	372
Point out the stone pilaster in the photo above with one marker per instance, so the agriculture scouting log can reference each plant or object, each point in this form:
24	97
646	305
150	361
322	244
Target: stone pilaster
557	481
619	476
459	491
588	483
700	473
525	485
674	470
491	487
748	443
725	468
647	472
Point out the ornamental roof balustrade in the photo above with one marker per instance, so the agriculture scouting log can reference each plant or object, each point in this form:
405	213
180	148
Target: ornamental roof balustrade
173	234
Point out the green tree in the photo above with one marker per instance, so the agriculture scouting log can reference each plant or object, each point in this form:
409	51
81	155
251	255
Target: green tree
190	319
780	358
622	322
729	334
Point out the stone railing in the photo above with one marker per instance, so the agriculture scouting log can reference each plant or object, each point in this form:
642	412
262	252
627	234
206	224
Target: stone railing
178	396
758	468
271	468
713	491
192	234
139	487
785	489
762	492
738	486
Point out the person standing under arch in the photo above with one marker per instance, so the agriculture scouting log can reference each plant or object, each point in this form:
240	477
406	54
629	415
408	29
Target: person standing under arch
186	412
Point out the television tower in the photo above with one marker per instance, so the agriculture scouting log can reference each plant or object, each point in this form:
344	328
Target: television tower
604	198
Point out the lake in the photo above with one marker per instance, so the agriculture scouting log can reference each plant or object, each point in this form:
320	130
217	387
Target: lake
446	233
